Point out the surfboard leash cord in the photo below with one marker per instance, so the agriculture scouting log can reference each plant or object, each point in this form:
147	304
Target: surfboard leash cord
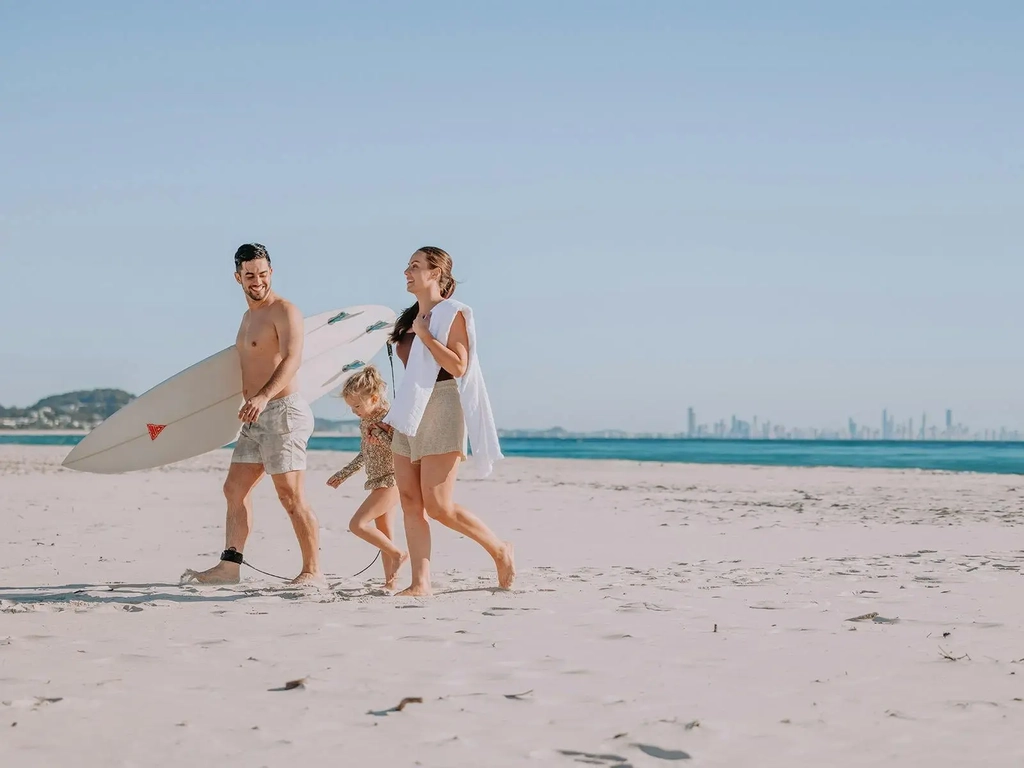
391	360
234	556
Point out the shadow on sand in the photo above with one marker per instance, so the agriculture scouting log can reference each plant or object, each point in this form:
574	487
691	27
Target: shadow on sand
137	594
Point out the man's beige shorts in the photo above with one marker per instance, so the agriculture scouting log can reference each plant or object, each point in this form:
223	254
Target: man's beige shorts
442	428
278	438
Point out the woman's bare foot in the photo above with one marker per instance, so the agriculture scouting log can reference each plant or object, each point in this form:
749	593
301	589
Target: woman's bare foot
224	572
416	591
506	565
394	565
307	578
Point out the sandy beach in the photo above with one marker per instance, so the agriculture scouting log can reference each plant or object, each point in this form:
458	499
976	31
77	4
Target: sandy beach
663	614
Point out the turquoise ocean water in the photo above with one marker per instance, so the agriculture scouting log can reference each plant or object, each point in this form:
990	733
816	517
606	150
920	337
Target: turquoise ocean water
1002	458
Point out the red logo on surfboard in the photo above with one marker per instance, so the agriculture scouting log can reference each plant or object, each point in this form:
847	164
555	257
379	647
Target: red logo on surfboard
155	430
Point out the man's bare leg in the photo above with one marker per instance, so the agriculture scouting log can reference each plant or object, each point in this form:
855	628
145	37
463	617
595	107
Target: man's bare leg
241	479
291	492
437	483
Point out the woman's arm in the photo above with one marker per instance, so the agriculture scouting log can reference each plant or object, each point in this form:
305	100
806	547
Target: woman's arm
453	357
381	434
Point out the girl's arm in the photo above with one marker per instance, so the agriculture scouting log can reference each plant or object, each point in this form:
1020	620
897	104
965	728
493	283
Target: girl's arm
347	471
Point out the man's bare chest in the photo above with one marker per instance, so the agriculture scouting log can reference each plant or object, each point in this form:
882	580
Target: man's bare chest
257	335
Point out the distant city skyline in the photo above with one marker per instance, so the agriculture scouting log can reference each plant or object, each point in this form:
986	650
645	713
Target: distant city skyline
889	428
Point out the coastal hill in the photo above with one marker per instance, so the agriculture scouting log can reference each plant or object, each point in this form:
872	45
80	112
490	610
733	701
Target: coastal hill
72	410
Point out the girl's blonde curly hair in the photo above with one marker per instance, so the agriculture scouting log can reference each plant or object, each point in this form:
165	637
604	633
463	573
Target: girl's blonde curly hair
367	383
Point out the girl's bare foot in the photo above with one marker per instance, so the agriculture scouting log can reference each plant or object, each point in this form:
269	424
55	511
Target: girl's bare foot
394	565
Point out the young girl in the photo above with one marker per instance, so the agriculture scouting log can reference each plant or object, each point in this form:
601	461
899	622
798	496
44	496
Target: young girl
365	395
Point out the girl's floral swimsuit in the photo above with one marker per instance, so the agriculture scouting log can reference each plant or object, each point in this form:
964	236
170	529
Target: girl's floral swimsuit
375	454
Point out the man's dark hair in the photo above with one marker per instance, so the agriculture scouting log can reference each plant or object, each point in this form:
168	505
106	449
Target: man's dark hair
250	252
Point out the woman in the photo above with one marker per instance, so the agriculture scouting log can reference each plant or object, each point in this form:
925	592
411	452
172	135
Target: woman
442	397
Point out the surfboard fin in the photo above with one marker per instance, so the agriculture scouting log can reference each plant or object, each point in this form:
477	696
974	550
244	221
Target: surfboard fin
343	315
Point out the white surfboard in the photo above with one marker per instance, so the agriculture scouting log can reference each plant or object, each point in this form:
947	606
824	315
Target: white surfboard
196	410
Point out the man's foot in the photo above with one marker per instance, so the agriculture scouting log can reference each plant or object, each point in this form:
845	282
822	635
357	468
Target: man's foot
394	565
415	591
506	565
223	573
310	579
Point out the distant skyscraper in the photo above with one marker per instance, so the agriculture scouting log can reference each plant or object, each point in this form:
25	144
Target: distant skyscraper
949	423
885	424
691	423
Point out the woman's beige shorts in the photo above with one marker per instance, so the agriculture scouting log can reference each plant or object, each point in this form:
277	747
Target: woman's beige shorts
442	428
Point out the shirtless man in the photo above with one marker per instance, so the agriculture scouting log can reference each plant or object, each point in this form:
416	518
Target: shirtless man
277	422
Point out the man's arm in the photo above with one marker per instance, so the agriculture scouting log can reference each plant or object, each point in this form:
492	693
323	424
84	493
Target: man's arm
453	357
288	325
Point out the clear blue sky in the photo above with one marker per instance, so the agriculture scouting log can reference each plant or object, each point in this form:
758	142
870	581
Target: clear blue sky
798	210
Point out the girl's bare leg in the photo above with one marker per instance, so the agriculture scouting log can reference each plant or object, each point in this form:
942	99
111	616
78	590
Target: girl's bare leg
366	524
386	525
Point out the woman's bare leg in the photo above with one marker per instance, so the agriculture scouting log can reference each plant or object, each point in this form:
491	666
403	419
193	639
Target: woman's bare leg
437	482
